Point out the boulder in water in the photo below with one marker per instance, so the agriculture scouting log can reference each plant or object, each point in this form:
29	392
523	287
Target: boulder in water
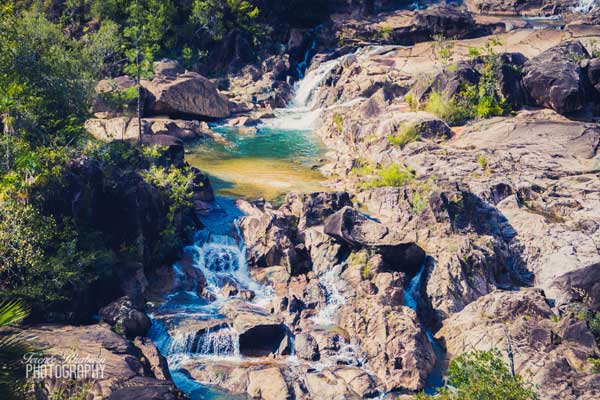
260	333
306	347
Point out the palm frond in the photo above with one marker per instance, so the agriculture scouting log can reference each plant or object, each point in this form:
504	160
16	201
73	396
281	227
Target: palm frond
12	311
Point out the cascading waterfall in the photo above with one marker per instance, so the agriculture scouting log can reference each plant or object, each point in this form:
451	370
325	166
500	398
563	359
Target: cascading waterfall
304	110
412	293
334	299
585	6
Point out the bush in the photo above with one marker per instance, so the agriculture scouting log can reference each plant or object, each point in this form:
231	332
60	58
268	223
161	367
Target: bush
42	263
338	122
482	375
445	108
405	135
395	175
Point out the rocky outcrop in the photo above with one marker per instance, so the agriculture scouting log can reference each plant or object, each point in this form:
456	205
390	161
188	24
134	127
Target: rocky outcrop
404	27
358	231
271	240
553	355
125	319
394	343
268	384
259	332
554	79
127	371
542	8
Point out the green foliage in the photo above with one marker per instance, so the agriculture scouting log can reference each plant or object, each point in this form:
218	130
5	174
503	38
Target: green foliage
405	135
176	183
13	347
445	108
218	17
443	49
592	318
394	175
45	83
338	123
40	260
595	364
384	32
422	191
482	100
482	375
413	103
482	161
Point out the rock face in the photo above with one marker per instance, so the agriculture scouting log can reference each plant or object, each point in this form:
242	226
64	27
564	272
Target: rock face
128	371
125	319
268	384
552	355
356	230
519	7
188	94
393	341
271	240
555	79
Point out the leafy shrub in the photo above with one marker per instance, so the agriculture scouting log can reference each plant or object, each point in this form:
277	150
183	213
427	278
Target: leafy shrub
405	135
41	261
482	161
395	175
445	108
338	122
482	375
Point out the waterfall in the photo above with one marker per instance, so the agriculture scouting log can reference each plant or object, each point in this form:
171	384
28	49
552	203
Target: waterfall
334	299
411	293
305	89
303	65
220	342
585	6
221	259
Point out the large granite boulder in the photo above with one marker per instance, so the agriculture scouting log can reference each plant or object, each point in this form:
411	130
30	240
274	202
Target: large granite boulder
313	208
268	384
397	349
188	94
356	230
581	285
271	239
129	371
123	316
554	79
306	347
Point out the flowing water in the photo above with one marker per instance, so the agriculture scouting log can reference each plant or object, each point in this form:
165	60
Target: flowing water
279	156
412	293
276	157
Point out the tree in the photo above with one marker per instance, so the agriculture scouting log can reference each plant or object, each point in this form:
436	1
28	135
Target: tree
482	375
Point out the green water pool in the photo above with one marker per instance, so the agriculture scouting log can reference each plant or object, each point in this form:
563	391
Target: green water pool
261	163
